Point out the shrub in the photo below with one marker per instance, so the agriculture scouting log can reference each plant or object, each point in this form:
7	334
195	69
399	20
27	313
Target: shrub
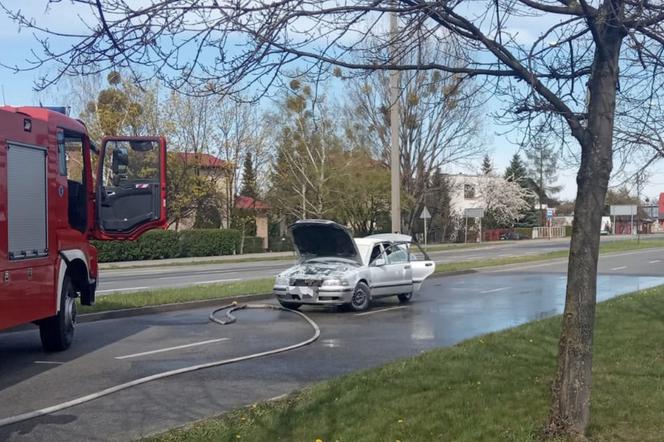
165	244
253	244
209	242
112	251
159	244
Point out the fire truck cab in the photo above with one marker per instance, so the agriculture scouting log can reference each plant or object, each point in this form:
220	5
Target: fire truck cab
58	191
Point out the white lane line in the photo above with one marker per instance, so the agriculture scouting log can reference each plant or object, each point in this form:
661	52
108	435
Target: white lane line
128	289
218	281
380	311
654	261
179	347
495	290
619	268
49	362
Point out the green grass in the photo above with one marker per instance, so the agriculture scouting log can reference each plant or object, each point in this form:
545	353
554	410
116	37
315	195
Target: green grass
120	301
606	247
492	388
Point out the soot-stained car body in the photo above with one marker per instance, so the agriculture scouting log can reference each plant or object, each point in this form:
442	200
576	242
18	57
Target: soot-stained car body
335	269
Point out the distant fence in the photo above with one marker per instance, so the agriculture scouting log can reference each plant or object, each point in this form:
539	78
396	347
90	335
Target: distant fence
548	232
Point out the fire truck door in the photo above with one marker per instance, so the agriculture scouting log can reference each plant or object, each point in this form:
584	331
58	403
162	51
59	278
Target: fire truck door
131	187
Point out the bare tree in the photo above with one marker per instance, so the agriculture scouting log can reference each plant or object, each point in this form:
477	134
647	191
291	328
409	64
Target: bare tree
239	131
440	127
593	69
309	159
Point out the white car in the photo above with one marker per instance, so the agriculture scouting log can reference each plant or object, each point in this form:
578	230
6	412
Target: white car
335	269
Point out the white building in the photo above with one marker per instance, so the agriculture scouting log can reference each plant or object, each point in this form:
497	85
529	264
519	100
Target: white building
465	191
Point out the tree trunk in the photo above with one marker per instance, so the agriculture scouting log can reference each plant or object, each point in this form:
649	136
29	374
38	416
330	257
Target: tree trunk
570	409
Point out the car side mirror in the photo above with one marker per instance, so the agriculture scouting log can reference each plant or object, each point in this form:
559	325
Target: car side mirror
379	262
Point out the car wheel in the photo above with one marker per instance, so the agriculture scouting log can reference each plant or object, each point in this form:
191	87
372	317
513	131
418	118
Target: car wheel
361	297
57	332
405	297
289	305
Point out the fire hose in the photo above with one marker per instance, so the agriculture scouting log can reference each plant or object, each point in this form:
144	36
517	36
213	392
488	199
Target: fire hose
229	319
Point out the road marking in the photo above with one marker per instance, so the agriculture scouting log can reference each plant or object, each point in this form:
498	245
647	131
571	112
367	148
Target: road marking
217	281
179	347
49	362
495	290
380	311
129	289
619	268
654	261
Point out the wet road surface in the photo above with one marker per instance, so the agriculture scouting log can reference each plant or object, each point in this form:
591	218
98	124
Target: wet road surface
114	281
447	311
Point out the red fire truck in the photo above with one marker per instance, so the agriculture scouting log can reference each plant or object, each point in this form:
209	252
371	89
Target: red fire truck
58	191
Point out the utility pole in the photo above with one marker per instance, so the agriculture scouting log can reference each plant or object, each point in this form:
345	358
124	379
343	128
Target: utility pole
395	122
639	186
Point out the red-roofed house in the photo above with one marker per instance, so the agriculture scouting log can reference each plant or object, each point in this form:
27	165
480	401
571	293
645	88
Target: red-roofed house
203	160
211	167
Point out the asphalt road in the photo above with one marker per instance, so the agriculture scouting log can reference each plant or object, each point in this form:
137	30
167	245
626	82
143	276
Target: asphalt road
446	311
127	280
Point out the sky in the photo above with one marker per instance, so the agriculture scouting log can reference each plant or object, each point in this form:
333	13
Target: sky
18	88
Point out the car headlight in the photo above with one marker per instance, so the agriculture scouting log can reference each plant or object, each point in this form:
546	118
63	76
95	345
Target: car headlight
281	280
335	282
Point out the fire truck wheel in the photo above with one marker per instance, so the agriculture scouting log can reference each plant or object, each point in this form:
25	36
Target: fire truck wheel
57	332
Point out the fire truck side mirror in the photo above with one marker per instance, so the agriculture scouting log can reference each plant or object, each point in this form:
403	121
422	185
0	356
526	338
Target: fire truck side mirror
120	160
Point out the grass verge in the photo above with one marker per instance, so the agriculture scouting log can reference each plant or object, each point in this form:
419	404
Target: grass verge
120	301
607	247
496	387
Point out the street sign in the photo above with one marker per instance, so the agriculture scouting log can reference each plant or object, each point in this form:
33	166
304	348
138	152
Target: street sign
425	213
473	213
623	210
549	213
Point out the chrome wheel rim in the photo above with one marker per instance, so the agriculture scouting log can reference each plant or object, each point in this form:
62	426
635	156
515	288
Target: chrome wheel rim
70	313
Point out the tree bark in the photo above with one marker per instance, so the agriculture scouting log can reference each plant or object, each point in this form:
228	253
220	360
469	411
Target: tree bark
570	409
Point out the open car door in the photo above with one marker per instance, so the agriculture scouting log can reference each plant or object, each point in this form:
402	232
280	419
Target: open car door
422	266
131	187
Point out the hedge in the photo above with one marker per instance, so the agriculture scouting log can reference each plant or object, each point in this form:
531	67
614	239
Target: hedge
253	244
164	244
209	242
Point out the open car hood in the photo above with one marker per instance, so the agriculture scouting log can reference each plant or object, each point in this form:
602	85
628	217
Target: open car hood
318	238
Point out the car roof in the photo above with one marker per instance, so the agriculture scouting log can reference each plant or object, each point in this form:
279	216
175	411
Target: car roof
368	241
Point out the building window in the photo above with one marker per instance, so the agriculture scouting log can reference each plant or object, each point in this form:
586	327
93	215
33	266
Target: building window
468	191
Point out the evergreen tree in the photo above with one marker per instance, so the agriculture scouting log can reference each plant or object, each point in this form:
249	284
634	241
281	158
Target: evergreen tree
542	167
249	178
487	165
516	171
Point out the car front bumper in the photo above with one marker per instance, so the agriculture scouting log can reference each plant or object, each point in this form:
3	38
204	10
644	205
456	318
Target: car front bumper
313	295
